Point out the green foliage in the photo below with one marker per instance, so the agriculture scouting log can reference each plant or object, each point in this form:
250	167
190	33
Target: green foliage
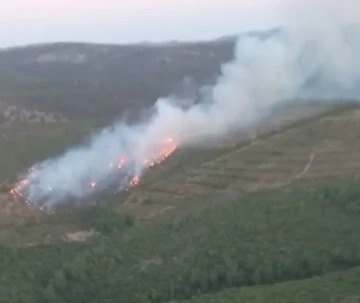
339	287
222	251
101	218
25	272
204	249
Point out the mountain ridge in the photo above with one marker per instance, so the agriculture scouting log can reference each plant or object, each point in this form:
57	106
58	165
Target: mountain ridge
74	79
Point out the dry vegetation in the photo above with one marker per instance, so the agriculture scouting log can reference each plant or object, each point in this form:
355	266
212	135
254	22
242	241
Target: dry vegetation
220	237
14	212
275	154
236	221
324	148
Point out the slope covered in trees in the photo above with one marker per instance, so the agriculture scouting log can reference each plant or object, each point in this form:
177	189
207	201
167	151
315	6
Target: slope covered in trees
207	247
339	287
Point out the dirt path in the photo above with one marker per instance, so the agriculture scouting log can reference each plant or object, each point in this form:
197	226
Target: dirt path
305	170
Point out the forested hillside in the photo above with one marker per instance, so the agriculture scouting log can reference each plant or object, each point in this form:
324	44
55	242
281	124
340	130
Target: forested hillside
208	246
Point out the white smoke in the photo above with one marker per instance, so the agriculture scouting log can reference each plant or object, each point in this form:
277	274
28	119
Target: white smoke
315	54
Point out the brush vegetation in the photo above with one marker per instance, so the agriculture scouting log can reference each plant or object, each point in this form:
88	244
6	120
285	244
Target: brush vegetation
216	247
298	243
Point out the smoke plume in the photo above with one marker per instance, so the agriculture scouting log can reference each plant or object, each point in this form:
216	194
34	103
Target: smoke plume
314	54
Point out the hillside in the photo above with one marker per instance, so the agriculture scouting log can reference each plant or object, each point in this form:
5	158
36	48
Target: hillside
339	287
93	79
287	209
268	214
77	79
208	246
281	152
313	143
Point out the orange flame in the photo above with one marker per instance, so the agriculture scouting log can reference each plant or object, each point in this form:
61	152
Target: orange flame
167	148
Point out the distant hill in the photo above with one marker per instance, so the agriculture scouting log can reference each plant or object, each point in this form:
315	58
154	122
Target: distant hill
77	79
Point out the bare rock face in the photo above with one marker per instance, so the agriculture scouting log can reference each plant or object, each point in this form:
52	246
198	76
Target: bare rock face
16	113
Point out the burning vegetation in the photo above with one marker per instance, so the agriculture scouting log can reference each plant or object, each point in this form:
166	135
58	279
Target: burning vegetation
21	190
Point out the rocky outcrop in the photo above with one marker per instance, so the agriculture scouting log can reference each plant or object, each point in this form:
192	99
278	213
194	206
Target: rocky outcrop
60	57
16	113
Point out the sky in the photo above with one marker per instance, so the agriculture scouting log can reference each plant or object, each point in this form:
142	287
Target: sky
127	21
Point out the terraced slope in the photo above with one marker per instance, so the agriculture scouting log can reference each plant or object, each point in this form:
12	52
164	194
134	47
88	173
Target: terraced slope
322	149
247	248
315	149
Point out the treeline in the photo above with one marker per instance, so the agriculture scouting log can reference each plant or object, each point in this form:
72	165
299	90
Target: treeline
206	248
339	287
35	273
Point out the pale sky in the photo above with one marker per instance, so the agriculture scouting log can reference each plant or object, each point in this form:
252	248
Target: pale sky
124	21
